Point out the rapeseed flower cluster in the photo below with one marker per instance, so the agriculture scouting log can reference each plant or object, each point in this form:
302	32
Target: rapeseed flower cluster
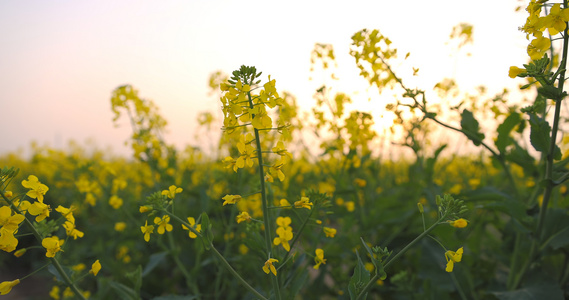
374	48
536	24
161	224
37	190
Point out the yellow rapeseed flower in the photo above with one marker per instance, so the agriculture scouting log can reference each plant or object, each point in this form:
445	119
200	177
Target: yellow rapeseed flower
304	202
319	258
8	221
360	182
145	208
37	189
72	231
172	191
163	224
147	230
52	245
8	242
281	150
556	20
54	292
120	226
115	202
515	71
460	223
284	203
268	267
231	199
66	212
538	47
453	257
192	223
78	267
6	286
243	216
350	206
283	221
284	235
329	232
95	268
40	210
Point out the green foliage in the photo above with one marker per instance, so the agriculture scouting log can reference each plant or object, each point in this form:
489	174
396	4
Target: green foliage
471	128
359	279
199	225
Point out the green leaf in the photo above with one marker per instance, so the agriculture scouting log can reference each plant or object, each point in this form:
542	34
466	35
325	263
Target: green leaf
471	127
536	291
124	291
153	261
298	282
557	228
560	177
368	249
431	161
504	139
359	279
206	231
521	157
493	199
175	297
136	278
540	136
549	92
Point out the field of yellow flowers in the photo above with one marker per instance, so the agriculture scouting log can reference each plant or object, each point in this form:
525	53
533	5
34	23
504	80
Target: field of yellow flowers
266	218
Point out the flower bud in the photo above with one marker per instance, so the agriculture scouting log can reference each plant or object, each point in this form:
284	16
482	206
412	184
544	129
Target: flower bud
20	252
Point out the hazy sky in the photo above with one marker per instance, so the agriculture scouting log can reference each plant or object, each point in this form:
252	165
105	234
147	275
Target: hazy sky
60	60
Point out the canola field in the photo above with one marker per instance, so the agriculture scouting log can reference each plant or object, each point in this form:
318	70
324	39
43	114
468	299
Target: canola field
271	214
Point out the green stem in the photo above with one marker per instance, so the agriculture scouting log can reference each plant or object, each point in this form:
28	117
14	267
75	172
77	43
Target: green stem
235	274
411	244
174	253
539	232
219	256
66	278
264	201
219	288
37	270
515	260
457	285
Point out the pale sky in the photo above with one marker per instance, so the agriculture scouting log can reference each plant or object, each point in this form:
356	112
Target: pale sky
60	60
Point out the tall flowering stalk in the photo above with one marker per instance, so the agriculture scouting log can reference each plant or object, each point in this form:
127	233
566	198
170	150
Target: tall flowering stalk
246	105
546	23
